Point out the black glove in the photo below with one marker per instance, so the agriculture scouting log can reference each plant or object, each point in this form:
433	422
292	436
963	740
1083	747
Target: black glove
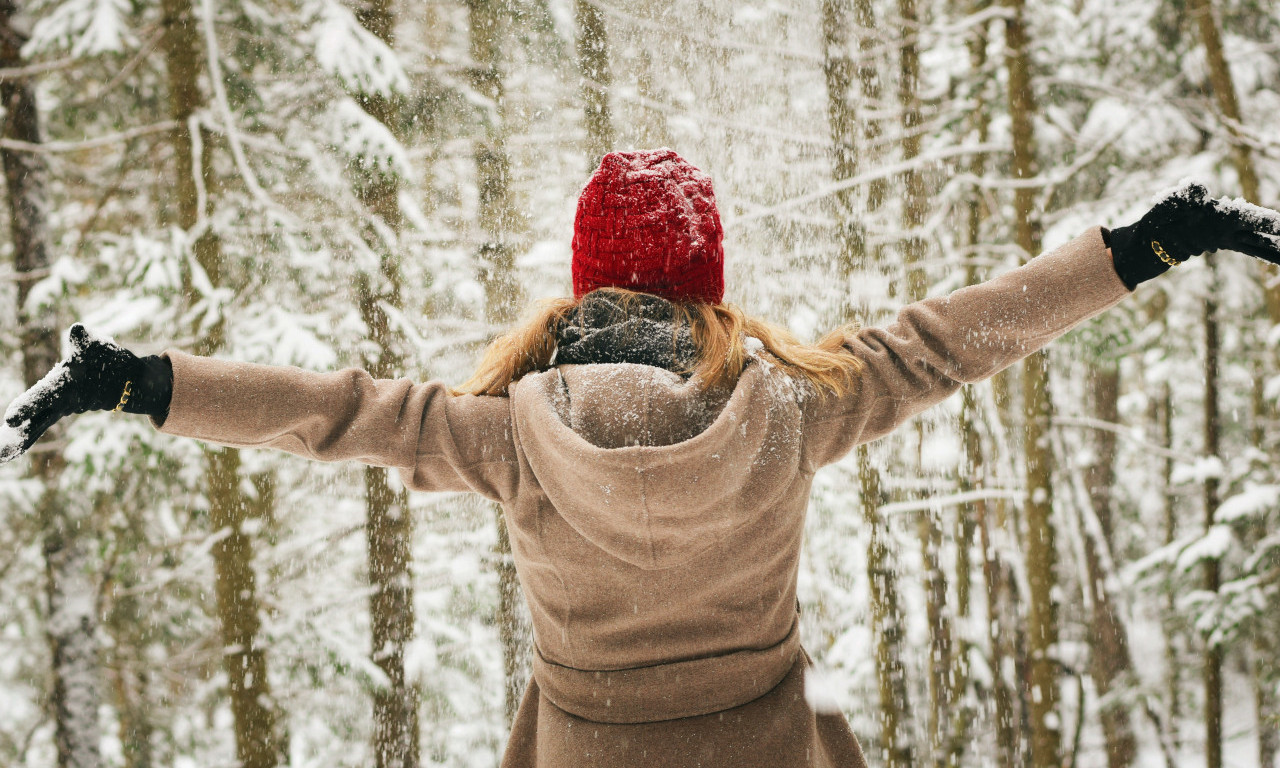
1185	223
98	376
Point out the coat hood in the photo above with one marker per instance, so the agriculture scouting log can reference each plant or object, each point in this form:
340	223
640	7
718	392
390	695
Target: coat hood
646	465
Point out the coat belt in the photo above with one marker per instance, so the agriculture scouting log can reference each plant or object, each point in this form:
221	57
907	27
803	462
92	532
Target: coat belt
668	691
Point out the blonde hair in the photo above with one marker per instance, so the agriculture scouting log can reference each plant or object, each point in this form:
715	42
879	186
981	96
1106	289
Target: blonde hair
720	333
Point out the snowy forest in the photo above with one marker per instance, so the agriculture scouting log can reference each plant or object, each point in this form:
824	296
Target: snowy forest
1076	563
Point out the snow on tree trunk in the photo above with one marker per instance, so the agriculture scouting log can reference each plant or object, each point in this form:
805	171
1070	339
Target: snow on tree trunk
235	589
597	78
498	222
1110	662
1041	538
72	621
1224	92
887	623
886	614
258	742
869	41
839	71
389	529
940	667
1211	566
971	518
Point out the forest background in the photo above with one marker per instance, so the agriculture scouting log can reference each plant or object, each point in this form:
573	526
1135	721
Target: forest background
1077	563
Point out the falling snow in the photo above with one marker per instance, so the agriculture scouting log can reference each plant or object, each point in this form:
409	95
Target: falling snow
476	141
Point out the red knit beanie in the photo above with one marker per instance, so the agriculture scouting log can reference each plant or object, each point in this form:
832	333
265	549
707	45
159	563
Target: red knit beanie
647	221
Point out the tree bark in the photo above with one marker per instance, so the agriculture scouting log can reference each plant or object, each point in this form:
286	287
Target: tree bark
1041	546
597	79
258	741
129	668
869	77
72	620
1110	661
235	588
496	260
973	519
1173	659
839	73
886	624
1224	92
389	531
1160	417
1211	574
941	671
1266	702
886	612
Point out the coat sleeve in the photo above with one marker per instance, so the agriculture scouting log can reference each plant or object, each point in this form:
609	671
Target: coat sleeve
936	345
438	441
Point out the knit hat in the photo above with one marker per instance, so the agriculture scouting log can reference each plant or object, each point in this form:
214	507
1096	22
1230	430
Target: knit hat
647	221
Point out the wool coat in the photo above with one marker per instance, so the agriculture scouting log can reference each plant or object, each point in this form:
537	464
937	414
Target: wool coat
656	526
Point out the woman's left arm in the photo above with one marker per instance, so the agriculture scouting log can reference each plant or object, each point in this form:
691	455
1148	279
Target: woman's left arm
439	441
936	345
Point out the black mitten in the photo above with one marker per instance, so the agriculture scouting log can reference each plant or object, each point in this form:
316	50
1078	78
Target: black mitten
1185	223
97	376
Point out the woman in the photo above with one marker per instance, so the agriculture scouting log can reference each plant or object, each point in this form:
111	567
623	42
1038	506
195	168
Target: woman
653	450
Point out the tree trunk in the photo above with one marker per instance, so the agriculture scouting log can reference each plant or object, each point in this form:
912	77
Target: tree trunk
869	39
1160	416
972	519
941	672
838	70
496	259
886	613
1041	546
1001	618
69	588
235	587
389	531
1224	92
129	668
653	130
886	624
1110	661
258	742
1213	653
1173	659
182	46
915	206
597	78
1266	702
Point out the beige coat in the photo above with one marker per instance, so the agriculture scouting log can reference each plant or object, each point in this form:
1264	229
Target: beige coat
656	529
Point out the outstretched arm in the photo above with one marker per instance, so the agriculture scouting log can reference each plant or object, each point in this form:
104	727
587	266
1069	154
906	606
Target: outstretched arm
936	345
439	441
436	440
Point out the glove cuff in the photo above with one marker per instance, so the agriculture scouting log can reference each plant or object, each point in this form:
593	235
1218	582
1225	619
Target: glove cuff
1135	259
150	388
